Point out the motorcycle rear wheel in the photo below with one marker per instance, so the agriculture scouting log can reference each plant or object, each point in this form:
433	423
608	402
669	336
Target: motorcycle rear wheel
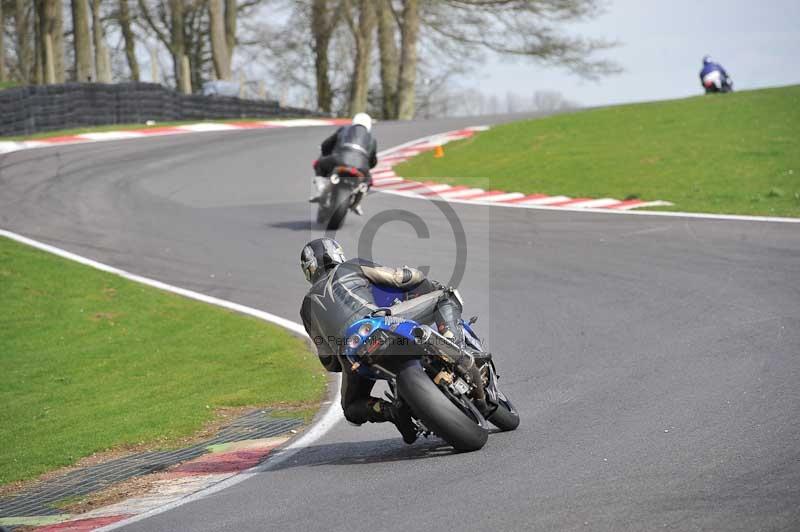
437	412
340	202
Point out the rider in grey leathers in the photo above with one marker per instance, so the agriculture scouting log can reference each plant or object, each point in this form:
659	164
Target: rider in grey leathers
341	294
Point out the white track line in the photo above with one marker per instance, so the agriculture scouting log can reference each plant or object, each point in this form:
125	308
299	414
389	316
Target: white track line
332	415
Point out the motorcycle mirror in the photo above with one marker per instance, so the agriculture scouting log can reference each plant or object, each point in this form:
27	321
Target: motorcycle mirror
473	319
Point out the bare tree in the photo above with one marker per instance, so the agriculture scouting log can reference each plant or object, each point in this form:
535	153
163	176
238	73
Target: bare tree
363	33
390	67
46	14
168	26
23	16
409	31
58	42
81	41
124	20
102	61
526	28
2	44
231	13
219	42
547	100
324	19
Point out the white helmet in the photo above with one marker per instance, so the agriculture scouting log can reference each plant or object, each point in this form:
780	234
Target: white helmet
363	119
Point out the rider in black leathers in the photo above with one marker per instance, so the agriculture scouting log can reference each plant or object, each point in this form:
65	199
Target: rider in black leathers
350	146
341	294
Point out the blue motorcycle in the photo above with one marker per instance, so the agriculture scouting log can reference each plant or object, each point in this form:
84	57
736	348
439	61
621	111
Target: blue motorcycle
451	391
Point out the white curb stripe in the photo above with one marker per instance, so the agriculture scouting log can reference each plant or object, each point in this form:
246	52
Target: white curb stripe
110	135
646	204
545	201
503	197
382	180
299	122
211	126
463	192
595	203
201	127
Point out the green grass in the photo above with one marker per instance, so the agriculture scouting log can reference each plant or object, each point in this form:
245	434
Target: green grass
90	361
735	153
7	85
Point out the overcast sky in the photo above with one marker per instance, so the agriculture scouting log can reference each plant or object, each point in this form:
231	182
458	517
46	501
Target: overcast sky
662	44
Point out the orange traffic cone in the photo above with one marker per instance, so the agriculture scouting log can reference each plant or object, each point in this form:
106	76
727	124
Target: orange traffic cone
438	152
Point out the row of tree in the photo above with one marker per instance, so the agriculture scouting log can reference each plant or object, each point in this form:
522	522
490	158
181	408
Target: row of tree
382	56
453	32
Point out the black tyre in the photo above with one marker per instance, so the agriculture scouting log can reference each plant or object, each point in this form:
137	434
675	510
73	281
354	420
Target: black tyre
505	417
322	215
340	202
437	412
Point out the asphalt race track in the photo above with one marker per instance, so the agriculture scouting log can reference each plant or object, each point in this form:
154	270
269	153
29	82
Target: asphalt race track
654	360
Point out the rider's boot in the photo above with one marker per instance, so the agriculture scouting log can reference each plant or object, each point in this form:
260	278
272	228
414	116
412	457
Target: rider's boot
356	206
381	410
448	314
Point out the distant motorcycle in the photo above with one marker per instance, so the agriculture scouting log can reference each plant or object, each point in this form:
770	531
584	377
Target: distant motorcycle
424	371
338	193
715	81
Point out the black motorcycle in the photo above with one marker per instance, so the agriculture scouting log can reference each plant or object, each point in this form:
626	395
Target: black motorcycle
452	390
344	188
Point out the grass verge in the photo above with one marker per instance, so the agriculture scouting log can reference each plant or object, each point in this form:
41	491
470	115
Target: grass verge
734	153
90	361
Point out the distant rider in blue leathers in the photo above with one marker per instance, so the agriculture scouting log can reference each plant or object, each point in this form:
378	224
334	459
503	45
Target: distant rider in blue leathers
714	78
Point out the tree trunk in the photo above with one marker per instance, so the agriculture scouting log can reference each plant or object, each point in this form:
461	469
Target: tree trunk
230	28
82	42
2	44
46	24
178	46
37	75
58	42
23	48
321	30
102	62
389	62
409	29
196	39
186	76
363	34
219	43
130	39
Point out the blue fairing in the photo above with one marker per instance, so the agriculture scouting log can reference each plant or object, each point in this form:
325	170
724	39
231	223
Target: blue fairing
385	296
395	327
467	327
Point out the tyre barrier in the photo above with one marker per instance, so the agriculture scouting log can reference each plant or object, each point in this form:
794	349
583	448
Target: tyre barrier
40	108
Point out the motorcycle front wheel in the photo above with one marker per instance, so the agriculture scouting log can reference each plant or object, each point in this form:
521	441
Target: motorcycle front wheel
437	412
505	417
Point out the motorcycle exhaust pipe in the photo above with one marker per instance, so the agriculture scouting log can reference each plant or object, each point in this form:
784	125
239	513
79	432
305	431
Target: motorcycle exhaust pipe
463	362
